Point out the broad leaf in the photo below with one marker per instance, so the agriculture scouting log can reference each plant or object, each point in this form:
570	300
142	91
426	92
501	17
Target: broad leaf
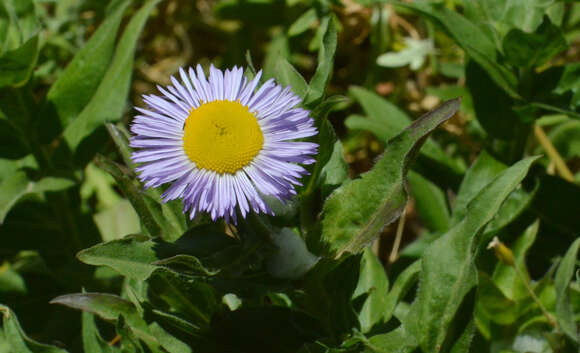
109	100
132	256
356	213
77	84
16	66
111	308
286	75
446	280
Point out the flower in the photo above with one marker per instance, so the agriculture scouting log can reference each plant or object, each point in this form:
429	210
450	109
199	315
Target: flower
222	142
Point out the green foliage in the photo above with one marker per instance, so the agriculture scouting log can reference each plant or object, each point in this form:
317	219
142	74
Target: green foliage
80	233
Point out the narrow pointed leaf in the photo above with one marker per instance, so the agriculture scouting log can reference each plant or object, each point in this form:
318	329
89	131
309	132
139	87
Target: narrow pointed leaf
564	310
109	101
356	213
77	84
448	272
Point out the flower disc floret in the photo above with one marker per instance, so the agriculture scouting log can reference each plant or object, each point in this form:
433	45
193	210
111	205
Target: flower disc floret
222	142
222	136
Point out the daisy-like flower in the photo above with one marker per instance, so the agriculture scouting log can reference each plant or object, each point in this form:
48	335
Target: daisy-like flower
222	142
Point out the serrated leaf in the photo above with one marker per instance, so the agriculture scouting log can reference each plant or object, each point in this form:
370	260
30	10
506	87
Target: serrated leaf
110	98
564	311
354	215
446	280
131	256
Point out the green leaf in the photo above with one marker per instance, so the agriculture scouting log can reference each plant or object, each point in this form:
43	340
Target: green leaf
374	284
493	304
77	84
186	264
17	340
92	340
16	186
335	171
405	280
325	63
117	221
109	100
430	202
303	23
385	120
145	207
446	280
472	39
523	49
192	298
131	256
493	107
167	341
328	292
112	308
169	215
564	311
502	15
396	341
505	276
566	139
291	259
20	23
355	213
484	169
286	75
16	65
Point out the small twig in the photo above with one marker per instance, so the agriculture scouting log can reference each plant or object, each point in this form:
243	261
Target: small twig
526	281
553	154
399	235
115	340
397	20
505	255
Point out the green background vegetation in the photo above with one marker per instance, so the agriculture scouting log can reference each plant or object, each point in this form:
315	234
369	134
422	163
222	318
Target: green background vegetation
380	252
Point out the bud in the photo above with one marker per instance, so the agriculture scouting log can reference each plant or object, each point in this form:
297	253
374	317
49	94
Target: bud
502	252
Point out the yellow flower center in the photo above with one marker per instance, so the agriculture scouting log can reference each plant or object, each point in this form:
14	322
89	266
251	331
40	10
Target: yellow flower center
222	136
